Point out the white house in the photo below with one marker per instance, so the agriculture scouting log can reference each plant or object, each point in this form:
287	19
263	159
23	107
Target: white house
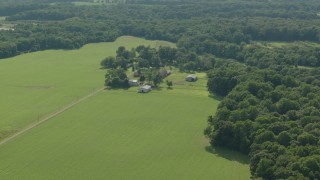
191	78
133	82
144	89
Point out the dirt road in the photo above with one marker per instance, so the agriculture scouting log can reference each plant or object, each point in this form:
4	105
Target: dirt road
50	116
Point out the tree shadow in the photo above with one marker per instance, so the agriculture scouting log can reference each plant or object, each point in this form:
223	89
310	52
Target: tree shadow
228	154
215	96
157	88
116	88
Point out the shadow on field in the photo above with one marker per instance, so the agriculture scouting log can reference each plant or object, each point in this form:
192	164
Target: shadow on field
157	88
215	96
116	88
228	154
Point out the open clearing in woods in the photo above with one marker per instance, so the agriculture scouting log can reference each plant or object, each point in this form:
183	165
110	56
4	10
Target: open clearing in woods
116	134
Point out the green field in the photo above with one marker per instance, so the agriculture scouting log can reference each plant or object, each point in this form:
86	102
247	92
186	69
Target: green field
285	44
36	84
120	134
96	2
87	3
117	134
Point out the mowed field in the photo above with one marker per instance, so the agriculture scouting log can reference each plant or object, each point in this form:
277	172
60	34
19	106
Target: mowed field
116	134
120	134
275	44
36	84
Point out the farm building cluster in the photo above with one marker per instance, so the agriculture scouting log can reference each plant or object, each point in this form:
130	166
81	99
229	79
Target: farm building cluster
147	87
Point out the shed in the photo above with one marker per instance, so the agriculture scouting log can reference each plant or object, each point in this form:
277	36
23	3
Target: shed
164	73
133	82
191	78
136	73
144	89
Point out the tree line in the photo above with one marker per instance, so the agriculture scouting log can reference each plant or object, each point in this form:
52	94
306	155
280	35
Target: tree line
270	114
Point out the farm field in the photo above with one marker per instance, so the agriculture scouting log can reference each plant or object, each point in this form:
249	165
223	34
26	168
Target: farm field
121	134
87	3
280	44
36	84
116	134
96	2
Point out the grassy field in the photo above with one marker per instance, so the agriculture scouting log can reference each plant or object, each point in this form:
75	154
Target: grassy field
117	134
121	134
95	3
87	3
36	84
284	44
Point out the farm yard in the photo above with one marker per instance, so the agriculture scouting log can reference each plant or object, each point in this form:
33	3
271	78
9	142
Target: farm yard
151	136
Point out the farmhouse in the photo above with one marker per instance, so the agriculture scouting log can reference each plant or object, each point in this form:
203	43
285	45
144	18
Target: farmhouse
191	78
133	82
144	89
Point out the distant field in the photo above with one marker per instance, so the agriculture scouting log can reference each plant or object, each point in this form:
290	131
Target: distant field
120	134
95	2
36	84
284	44
86	3
2	18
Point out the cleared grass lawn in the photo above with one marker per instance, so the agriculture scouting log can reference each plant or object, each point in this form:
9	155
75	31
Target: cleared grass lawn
36	84
274	44
93	3
87	3
120	134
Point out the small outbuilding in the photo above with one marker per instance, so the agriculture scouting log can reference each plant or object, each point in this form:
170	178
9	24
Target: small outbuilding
133	82
191	78
164	73
144	89
136	73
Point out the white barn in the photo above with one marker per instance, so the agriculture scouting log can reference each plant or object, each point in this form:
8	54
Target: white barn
133	82
191	78
144	89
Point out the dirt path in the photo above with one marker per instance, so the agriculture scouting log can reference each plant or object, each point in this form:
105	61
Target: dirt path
50	116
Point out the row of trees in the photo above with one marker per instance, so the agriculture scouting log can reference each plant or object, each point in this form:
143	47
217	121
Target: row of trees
143	57
144	61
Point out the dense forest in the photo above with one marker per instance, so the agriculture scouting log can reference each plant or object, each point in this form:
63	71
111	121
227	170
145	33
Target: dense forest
270	114
220	28
270	110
